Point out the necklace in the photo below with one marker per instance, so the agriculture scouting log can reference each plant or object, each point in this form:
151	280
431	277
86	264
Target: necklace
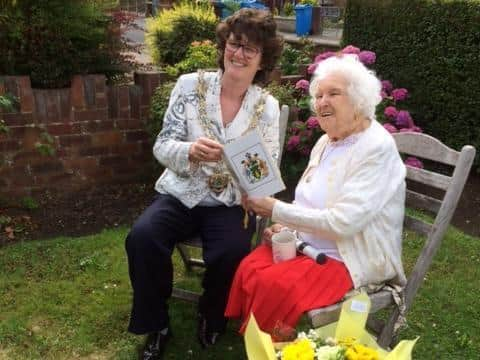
219	180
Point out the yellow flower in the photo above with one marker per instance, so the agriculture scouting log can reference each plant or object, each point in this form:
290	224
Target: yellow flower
361	352
347	342
298	350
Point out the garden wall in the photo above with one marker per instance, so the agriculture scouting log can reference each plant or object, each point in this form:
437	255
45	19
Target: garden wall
97	133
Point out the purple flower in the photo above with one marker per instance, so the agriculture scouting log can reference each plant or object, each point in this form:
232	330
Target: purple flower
390	112
323	56
417	129
312	122
413	162
302	85
390	128
293	142
311	68
387	86
305	151
399	94
403	119
367	57
297	125
306	134
350	49
383	94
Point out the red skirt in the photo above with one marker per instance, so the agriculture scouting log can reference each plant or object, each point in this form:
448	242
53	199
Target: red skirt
284	291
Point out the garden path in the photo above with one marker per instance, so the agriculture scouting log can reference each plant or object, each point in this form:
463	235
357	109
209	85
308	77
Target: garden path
135	36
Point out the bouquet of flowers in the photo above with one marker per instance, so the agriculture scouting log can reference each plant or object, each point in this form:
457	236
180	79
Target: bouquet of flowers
346	339
310	346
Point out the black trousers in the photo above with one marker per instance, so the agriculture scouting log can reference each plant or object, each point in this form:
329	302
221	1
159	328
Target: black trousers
149	247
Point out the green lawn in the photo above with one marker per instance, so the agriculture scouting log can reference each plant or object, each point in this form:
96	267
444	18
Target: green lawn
69	298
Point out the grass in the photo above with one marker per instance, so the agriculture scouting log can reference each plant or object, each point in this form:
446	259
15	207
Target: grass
69	298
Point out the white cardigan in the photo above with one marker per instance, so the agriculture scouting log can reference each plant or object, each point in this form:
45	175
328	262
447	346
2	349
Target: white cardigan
181	127
365	208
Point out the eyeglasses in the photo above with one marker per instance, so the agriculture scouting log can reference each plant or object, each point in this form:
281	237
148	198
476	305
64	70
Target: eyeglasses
248	51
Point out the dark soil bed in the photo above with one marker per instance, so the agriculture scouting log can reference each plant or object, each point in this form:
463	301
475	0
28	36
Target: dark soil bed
76	213
105	206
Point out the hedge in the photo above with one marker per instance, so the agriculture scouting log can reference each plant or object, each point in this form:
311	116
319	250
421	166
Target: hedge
431	48
52	40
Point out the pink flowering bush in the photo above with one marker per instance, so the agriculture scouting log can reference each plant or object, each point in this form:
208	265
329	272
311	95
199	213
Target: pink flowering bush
304	131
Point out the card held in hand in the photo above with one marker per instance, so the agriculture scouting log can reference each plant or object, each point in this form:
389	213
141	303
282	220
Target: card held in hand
252	165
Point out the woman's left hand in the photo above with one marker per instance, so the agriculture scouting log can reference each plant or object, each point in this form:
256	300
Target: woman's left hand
261	206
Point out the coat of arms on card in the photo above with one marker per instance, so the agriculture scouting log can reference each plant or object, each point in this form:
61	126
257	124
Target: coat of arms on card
255	168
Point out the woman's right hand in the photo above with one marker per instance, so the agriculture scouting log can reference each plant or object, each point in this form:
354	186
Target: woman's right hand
205	149
268	233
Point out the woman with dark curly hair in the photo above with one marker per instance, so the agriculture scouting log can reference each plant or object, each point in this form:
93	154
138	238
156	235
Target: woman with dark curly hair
196	194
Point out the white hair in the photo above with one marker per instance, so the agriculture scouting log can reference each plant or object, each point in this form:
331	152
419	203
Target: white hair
363	86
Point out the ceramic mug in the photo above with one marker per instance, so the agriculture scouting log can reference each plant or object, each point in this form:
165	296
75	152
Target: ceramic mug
283	246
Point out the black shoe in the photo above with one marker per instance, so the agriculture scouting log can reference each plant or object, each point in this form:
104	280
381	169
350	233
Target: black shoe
155	345
207	336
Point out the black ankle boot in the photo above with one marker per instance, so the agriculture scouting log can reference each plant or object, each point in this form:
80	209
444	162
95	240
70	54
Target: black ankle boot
207	334
155	345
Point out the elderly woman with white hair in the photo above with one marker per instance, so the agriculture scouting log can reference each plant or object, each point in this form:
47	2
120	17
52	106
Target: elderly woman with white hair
349	205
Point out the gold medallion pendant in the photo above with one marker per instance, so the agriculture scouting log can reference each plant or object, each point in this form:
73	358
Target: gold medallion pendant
217	182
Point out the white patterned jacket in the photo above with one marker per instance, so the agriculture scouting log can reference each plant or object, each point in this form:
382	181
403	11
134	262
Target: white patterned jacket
181	127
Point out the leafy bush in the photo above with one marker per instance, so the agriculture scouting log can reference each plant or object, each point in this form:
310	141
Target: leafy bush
232	5
29	203
285	94
171	32
7	103
309	2
292	57
288	9
200	55
431	48
158	107
52	40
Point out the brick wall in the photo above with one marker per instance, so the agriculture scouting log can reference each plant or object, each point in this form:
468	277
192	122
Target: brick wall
98	134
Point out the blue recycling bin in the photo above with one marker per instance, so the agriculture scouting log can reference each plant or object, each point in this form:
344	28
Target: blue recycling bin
303	19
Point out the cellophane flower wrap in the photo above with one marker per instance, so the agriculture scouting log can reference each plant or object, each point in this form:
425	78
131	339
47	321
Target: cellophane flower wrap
330	342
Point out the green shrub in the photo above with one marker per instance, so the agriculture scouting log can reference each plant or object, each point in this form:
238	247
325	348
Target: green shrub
288	9
158	107
292	57
232	6
431	48
7	102
285	94
309	2
52	40
29	203
171	32
200	55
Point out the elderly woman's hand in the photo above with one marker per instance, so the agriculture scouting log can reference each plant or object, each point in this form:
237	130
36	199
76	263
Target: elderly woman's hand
268	233
260	206
205	149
